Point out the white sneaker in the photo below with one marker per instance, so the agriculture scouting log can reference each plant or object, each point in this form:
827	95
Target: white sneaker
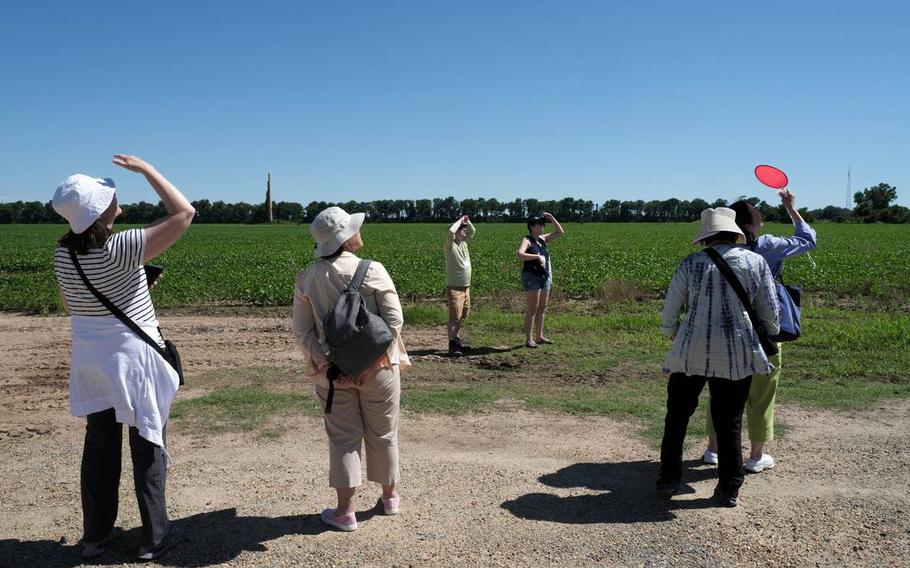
760	465
709	458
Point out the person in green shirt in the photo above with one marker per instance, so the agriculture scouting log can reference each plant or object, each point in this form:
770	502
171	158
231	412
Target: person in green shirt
458	279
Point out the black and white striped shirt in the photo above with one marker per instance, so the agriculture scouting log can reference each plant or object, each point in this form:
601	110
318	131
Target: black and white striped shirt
116	271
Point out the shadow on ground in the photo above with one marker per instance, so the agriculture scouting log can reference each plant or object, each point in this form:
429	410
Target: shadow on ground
473	352
212	538
627	494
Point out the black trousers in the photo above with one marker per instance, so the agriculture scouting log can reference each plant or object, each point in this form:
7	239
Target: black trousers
728	398
101	480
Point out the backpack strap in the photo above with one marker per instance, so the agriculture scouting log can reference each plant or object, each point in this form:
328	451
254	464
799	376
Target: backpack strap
359	274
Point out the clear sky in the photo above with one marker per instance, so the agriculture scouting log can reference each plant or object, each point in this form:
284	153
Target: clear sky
372	100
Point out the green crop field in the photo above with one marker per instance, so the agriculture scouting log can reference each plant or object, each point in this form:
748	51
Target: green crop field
255	264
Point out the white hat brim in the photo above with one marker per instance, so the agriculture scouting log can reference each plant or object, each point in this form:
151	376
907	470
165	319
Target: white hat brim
329	247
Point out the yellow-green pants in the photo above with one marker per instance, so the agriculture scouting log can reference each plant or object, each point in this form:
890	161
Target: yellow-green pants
760	404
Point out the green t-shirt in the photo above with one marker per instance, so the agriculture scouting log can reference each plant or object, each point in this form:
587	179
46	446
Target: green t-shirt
458	259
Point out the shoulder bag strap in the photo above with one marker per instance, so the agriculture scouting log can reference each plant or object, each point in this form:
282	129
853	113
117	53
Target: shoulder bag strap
116	311
734	283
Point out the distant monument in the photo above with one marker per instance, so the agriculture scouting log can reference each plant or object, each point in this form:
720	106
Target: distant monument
268	197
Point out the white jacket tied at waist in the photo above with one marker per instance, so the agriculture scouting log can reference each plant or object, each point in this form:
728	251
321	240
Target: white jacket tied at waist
112	367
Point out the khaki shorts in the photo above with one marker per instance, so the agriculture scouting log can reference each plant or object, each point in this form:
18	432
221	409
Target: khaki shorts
458	299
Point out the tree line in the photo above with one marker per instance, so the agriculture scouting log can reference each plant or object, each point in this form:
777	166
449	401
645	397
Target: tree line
872	204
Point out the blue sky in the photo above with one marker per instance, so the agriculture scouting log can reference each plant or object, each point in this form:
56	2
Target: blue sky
372	100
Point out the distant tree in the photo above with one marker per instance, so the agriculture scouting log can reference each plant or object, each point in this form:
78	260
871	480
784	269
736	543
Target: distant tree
423	210
611	210
873	202
517	209
287	211
833	213
470	207
33	212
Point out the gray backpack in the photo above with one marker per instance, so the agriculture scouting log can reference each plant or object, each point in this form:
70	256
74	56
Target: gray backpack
355	336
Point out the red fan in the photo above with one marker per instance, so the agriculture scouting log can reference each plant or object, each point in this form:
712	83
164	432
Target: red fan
771	176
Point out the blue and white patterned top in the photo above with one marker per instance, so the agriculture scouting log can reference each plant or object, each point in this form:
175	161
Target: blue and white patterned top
716	338
777	249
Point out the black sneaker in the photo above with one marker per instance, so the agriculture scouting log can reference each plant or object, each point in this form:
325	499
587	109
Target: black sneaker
454	349
174	537
723	499
665	490
461	346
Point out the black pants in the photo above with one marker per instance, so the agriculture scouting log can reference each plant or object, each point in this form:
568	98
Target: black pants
101	480
728	398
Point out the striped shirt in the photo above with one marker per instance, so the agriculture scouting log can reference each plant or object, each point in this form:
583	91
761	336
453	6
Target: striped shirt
716	338
116	271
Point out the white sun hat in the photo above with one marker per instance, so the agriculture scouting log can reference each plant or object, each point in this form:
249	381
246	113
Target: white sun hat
332	227
81	199
717	220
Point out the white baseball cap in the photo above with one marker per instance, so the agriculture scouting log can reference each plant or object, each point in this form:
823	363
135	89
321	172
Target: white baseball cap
81	199
721	219
332	227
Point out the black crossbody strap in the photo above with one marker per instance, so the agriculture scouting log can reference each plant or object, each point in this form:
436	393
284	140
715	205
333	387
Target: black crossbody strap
734	283
116	311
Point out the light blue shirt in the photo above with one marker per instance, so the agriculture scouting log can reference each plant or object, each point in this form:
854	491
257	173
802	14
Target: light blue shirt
776	249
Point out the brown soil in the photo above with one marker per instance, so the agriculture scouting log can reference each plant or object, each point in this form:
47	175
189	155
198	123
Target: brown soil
505	487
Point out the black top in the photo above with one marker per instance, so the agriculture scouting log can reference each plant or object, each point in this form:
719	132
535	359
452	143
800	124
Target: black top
537	246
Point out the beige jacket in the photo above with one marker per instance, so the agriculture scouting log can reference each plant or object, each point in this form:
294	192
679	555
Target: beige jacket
317	288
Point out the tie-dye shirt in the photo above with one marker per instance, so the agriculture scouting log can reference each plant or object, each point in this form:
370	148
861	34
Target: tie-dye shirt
715	337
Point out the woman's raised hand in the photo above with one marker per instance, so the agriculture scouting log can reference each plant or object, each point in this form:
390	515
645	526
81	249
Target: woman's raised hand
131	163
786	198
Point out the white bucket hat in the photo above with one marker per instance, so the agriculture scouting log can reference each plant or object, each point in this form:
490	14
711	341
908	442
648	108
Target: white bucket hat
332	227
81	199
720	219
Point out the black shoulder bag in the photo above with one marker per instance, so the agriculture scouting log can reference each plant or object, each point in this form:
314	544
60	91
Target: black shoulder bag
769	346
168	352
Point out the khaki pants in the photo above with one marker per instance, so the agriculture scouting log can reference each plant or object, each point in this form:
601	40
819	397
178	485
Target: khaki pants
459	300
363	415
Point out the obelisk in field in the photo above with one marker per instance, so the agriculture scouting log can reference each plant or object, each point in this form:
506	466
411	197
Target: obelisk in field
268	197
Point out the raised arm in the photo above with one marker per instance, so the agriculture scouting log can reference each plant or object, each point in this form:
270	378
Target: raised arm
558	232
776	249
164	232
453	228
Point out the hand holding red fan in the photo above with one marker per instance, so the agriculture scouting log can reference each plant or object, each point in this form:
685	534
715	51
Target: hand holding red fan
771	176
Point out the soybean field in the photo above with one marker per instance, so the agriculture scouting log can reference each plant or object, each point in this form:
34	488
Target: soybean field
255	265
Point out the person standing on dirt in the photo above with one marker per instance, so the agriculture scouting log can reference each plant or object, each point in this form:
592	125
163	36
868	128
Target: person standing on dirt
537	275
717	344
760	404
458	279
365	408
116	377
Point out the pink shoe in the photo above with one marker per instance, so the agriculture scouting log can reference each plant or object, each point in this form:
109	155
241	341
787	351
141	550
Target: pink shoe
345	523
390	505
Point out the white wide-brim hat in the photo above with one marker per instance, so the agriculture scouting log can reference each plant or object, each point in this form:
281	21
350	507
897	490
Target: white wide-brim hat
81	199
332	227
717	220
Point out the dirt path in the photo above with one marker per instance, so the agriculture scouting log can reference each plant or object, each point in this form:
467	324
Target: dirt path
507	487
